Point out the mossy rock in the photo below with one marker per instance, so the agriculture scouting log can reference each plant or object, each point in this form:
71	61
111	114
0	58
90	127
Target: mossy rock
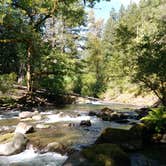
42	137
6	138
131	139
106	155
9	122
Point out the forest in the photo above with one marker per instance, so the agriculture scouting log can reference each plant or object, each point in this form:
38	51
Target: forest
58	47
56	52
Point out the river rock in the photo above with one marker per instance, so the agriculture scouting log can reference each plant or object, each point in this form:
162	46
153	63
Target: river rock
16	146
85	123
42	126
142	112
131	139
56	147
37	117
108	114
25	114
107	110
163	139
24	128
92	113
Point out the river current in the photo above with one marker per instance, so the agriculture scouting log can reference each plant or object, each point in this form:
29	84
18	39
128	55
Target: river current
60	116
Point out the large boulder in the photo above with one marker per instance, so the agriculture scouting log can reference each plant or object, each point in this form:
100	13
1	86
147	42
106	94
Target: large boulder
106	155
17	145
24	128
131	139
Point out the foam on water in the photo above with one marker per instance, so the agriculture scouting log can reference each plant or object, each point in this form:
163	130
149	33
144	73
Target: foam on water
66	118
30	158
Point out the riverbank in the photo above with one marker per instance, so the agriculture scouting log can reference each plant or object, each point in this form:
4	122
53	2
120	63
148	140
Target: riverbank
145	100
21	100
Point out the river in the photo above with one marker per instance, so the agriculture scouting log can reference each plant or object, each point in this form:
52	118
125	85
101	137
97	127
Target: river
77	136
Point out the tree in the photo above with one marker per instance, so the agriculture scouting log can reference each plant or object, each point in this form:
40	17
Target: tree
140	46
26	21
151	61
96	77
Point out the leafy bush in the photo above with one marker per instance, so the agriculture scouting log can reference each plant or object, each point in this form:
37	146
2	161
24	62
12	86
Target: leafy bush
6	82
157	119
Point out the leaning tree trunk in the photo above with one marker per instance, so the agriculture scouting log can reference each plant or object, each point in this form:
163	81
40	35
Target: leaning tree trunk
28	74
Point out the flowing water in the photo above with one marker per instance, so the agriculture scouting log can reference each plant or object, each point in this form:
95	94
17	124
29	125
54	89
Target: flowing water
77	136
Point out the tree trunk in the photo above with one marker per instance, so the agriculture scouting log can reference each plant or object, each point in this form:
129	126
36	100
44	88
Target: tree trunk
28	74
21	74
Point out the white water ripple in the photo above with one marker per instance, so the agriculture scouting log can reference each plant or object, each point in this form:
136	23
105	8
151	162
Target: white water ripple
30	158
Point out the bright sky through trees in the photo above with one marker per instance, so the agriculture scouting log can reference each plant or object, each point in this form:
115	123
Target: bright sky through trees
103	8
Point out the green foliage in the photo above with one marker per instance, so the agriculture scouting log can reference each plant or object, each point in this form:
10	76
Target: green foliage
156	118
151	61
25	21
94	78
6	82
138	47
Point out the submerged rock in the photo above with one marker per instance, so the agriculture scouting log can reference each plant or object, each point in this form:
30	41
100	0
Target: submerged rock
24	128
9	122
131	139
77	159
140	160
41	138
56	147
17	145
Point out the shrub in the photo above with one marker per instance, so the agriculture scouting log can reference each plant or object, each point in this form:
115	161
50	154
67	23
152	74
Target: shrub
6	82
156	119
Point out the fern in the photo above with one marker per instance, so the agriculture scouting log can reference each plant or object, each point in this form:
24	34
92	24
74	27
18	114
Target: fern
156	118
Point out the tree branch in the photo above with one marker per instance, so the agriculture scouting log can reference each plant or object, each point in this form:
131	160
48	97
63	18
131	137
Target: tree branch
39	22
23	8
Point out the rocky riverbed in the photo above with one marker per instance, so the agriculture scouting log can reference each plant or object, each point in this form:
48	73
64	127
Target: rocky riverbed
49	137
